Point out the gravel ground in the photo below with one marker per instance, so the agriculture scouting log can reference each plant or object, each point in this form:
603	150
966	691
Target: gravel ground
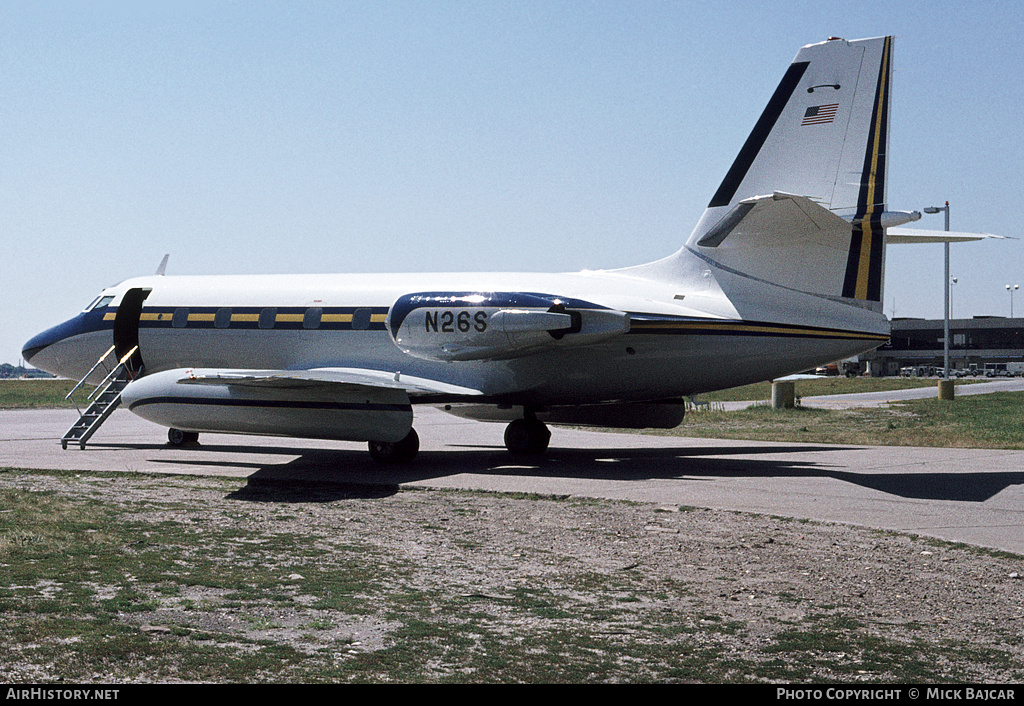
744	588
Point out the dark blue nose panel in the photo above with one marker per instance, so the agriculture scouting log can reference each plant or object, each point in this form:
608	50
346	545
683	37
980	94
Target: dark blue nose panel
86	322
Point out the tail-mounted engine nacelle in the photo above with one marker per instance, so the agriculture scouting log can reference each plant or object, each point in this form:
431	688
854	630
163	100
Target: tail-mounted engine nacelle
452	326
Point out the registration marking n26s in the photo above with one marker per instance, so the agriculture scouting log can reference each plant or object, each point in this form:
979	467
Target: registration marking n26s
448	321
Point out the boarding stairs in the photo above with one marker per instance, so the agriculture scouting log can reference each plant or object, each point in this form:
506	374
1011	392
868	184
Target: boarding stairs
103	400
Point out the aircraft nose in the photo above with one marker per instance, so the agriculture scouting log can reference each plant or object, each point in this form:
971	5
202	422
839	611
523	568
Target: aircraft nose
38	343
65	348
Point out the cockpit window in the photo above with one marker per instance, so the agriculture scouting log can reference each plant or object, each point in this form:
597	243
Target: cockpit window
100	302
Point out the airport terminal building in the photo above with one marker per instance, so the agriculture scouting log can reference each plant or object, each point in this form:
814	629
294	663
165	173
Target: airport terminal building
982	342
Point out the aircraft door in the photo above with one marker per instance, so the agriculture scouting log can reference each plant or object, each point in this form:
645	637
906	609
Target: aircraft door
126	326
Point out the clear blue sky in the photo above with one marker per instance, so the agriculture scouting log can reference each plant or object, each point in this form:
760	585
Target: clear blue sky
361	136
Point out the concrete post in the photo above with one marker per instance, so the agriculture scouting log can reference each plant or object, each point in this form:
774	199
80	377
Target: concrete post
945	389
783	394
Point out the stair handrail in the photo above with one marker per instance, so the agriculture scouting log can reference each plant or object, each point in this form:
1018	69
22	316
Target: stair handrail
82	381
115	371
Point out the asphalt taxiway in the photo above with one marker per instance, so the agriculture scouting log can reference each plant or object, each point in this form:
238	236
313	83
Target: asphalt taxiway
966	495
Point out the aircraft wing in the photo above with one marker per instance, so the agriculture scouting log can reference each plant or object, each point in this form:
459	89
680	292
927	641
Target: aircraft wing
345	404
325	379
900	236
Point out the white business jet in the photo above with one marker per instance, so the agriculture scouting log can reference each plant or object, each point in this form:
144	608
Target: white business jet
782	273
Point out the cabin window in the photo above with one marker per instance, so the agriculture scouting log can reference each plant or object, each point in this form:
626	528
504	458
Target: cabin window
268	317
180	318
311	319
361	319
222	319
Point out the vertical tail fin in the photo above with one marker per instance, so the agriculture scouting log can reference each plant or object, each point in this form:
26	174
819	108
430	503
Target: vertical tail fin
822	139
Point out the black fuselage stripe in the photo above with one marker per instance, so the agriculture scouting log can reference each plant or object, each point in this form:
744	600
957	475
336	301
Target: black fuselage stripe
824	335
646	323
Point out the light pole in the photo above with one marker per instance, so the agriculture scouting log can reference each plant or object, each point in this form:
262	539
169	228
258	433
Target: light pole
946	286
953	281
1011	298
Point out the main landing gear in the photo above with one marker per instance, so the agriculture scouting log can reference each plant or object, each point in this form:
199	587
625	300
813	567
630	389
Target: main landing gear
527	437
523	437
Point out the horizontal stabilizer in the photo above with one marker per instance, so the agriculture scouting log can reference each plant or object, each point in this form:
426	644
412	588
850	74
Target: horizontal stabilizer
900	236
784	217
785	239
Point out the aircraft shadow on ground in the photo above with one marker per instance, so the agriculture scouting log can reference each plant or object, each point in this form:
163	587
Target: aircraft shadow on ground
324	474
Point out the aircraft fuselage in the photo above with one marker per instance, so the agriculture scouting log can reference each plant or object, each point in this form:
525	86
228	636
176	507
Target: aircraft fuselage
292	322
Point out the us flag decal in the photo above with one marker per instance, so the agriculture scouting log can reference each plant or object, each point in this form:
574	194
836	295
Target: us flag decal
819	114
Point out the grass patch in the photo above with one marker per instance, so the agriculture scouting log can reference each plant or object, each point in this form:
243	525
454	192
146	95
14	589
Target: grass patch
39	393
111	578
838	645
825	386
977	421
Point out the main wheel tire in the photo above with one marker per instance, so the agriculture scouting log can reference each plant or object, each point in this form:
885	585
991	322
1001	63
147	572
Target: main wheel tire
402	451
527	437
177	437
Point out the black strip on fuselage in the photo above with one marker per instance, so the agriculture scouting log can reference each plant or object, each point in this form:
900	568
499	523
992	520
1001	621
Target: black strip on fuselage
870	202
757	138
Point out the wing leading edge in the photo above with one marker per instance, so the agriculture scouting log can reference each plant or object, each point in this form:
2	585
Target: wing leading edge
325	380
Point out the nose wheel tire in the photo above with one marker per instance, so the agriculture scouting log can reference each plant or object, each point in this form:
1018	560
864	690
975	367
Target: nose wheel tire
527	437
402	451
